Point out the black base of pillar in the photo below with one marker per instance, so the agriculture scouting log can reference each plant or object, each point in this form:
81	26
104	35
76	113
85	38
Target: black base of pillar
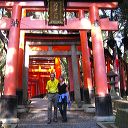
8	107
82	94
19	94
92	93
103	105
39	96
72	96
87	99
85	95
126	92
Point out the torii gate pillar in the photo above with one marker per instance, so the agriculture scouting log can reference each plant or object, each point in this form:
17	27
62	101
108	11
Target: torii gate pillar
86	63
57	67
9	101
103	99
19	90
108	70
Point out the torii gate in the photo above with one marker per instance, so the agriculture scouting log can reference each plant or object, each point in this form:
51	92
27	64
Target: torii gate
95	24
55	45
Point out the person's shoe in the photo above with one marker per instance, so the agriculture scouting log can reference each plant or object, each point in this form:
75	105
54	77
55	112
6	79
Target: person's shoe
55	120
64	120
49	122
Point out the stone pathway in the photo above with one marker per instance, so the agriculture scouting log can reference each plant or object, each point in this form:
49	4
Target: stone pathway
37	118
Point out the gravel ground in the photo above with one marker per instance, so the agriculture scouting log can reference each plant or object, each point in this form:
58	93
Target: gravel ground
37	118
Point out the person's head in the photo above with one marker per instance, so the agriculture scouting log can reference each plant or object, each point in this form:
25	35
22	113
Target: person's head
61	79
52	76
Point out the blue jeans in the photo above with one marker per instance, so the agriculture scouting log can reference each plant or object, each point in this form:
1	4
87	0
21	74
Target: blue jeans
63	108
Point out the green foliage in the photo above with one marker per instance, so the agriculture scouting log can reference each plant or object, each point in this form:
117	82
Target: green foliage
3	42
121	14
2	57
64	68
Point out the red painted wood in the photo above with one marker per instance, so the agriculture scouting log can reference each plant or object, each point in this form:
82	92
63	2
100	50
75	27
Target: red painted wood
20	60
55	37
78	48
105	24
12	55
85	57
42	65
38	48
20	68
23	4
57	67
86	61
43	61
73	24
79	5
61	48
43	10
41	84
82	5
33	89
98	54
108	70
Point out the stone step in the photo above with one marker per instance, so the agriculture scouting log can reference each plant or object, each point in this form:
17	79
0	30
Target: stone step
122	118
106	125
117	104
58	125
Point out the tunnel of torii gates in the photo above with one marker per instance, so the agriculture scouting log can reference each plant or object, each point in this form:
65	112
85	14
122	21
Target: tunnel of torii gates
34	56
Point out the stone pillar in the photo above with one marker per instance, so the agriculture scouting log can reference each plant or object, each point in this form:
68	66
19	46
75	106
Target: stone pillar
75	75
79	78
19	90
70	74
79	75
9	100
25	74
103	99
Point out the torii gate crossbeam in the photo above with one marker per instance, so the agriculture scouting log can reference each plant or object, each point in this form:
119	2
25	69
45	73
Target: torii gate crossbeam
78	5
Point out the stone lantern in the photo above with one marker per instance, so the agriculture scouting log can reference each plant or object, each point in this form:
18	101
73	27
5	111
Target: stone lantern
112	75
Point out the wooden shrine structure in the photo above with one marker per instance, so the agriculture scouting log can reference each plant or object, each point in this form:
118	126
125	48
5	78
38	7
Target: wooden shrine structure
30	56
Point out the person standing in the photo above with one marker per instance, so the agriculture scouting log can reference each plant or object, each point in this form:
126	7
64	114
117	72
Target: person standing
63	98
52	93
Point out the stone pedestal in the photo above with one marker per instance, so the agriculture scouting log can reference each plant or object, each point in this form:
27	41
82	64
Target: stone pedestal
103	105
19	94
8	107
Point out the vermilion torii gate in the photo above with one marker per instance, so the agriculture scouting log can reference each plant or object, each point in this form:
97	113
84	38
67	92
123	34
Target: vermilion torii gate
54	45
93	24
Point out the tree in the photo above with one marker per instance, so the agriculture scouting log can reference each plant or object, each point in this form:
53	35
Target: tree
3	47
